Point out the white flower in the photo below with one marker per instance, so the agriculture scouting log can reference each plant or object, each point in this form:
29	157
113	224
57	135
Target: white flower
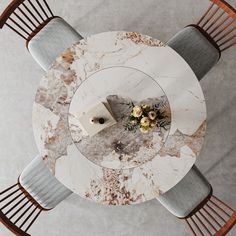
145	121
144	106
144	129
153	123
137	111
152	115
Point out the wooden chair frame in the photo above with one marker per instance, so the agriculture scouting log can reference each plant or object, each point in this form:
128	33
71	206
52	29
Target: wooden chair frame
26	17
19	210
212	217
219	22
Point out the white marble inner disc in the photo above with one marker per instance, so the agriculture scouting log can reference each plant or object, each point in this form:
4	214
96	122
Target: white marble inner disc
79	77
115	147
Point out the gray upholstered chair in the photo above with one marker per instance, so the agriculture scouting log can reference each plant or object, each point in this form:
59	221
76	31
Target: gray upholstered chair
46	35
37	190
191	199
201	44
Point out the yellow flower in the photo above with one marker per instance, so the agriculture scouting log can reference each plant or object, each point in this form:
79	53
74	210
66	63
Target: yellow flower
153	123
137	111
144	106
152	115
144	129
145	121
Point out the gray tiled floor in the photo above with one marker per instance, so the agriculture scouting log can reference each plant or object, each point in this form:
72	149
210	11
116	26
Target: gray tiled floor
20	75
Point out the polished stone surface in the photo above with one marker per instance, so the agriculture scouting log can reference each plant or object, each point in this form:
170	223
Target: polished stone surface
117	63
116	147
19	81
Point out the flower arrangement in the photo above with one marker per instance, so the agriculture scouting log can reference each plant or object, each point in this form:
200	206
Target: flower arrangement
145	118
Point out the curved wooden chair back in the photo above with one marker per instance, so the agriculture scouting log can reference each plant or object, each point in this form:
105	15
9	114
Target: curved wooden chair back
219	21
18	210
26	17
214	218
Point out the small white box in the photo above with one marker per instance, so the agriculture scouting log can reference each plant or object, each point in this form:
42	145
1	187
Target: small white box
101	110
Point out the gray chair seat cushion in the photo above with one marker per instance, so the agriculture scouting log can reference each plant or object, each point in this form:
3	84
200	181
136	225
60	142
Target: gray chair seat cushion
183	198
38	181
51	41
197	50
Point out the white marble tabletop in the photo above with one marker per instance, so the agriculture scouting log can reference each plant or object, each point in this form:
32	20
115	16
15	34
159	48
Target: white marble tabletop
115	167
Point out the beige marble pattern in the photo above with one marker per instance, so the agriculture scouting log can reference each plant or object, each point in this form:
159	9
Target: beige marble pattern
115	147
119	186
18	86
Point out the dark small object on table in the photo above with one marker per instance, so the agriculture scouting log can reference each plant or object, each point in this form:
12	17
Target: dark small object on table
101	120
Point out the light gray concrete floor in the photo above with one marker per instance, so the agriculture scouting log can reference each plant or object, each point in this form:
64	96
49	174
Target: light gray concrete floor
20	76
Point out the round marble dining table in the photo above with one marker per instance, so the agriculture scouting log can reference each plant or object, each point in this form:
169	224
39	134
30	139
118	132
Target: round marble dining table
116	166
